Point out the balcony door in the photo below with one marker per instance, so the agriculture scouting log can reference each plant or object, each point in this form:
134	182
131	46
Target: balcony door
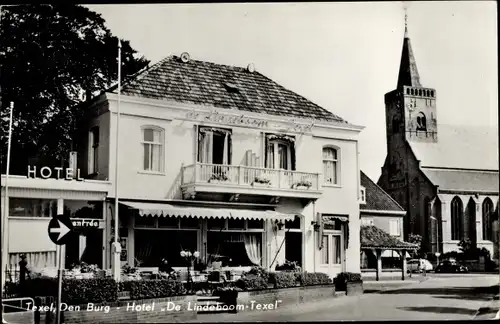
214	151
331	255
279	156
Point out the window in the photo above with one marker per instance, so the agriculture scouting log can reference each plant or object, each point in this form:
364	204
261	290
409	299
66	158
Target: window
488	219
235	248
330	165
394	227
362	195
152	143
457	219
421	122
214	146
279	154
337	249
325	257
93	150
367	221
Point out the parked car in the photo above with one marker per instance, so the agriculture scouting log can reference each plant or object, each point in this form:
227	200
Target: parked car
451	266
419	265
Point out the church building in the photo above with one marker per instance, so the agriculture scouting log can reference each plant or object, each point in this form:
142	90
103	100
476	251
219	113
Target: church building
445	177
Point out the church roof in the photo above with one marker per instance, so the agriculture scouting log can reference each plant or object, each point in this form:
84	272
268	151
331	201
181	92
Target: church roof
463	180
222	86
460	147
408	72
376	198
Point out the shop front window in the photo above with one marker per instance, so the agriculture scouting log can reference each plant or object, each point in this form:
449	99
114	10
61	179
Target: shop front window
32	207
236	249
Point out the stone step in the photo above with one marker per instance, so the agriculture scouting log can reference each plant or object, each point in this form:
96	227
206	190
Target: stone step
207	298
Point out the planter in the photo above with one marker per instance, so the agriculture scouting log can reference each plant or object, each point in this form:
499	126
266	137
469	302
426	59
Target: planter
216	181
302	188
354	288
258	184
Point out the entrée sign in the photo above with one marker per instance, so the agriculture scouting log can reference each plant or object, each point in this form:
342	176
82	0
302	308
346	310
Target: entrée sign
46	172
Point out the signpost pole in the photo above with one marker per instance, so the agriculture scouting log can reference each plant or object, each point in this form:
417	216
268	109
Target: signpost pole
60	211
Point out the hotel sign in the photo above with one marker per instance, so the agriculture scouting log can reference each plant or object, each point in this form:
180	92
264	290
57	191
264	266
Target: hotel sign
215	117
61	173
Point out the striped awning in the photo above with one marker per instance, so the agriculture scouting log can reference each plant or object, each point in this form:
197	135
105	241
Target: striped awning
167	210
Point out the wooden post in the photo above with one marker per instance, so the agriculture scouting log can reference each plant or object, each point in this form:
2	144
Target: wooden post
403	264
379	264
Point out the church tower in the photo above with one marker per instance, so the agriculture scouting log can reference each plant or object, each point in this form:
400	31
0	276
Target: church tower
410	118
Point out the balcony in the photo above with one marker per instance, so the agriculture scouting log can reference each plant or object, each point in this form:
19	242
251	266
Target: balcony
250	181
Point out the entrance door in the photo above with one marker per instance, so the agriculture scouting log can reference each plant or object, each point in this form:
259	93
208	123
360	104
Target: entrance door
331	255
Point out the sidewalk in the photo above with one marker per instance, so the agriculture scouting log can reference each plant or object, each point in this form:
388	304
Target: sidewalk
373	286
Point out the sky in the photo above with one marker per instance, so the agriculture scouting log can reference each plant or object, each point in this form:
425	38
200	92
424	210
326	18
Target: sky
341	56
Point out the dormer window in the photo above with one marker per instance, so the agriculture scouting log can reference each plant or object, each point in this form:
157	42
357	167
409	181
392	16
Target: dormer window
362	195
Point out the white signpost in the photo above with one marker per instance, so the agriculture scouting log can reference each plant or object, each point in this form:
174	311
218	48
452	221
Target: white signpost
59	229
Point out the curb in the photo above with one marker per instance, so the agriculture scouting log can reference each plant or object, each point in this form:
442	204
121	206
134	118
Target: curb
490	311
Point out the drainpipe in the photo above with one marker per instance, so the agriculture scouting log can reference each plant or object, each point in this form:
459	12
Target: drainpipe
315	244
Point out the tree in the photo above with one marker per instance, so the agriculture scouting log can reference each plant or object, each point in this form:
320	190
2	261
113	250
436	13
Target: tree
417	240
49	56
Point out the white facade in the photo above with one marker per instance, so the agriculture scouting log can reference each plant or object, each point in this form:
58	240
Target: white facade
176	126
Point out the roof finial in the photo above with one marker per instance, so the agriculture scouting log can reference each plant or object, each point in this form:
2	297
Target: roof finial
406	21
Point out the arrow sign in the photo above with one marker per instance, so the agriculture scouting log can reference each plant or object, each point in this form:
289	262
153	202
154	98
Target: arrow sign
59	228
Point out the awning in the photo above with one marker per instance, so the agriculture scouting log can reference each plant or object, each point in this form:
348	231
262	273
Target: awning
328	219
166	210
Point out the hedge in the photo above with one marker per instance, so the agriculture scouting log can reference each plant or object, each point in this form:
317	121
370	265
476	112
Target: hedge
252	282
158	288
283	279
74	291
314	278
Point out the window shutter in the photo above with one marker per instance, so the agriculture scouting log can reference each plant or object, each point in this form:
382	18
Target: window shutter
90	154
320	232
292	154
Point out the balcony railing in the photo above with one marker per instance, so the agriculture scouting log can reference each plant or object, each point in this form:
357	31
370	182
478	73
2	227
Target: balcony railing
241	175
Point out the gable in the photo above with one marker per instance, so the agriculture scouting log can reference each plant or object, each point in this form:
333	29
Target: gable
376	197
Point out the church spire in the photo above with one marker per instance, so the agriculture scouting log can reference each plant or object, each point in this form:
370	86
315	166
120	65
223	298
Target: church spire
408	73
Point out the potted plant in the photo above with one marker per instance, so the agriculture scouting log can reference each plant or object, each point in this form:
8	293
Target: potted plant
228	296
349	282
216	178
302	184
261	181
190	258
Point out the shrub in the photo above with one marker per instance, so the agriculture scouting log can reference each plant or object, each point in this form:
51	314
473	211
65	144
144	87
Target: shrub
74	291
144	289
81	291
259	272
344	277
252	282
314	278
283	279
288	266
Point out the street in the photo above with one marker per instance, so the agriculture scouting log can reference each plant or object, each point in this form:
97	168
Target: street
450	297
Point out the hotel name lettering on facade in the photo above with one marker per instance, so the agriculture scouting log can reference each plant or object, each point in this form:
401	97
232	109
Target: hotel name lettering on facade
215	117
61	173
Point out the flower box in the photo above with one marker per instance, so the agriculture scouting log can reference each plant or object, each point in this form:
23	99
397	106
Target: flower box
259	184
354	288
302	188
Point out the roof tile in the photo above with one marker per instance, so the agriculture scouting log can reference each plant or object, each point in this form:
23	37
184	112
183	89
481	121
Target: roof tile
374	237
376	197
201	82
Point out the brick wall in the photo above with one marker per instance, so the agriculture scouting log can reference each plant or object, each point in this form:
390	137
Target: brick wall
118	311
